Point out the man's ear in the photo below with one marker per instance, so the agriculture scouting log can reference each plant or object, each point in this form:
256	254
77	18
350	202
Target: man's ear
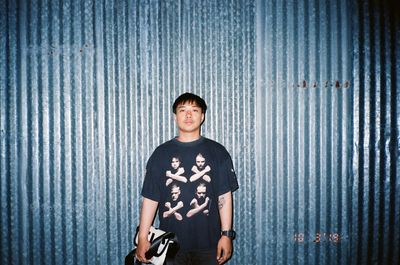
174	117
202	117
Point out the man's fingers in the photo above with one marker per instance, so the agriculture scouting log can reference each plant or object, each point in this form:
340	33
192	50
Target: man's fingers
222	259
142	259
223	255
219	252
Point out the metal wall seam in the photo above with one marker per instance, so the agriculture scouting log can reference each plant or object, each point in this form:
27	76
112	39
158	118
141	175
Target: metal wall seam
13	187
394	216
4	136
385	61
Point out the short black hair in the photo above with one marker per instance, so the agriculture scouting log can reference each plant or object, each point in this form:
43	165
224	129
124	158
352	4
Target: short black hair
192	98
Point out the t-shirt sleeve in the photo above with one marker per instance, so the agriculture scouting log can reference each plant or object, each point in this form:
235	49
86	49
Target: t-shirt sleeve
227	176
151	185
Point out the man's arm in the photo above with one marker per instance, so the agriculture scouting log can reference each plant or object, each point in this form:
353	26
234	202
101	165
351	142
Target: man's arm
149	208
225	206
199	174
198	209
177	176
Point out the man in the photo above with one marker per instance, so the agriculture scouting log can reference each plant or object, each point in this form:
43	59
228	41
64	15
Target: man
200	169
200	202
172	208
176	172
205	231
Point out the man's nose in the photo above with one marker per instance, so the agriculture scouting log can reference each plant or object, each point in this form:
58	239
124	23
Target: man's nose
188	113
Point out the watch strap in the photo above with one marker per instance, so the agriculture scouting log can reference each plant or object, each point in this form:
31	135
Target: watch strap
229	233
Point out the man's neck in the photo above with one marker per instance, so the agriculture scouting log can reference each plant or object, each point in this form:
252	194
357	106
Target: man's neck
188	137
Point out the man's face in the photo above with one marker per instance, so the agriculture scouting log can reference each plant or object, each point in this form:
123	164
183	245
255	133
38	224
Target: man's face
201	192
188	117
175	163
200	161
175	192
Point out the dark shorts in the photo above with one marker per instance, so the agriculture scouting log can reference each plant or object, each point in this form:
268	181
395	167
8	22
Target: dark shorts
202	257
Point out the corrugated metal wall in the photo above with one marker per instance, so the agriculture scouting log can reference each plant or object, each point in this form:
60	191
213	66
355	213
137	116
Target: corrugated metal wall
304	130
86	93
327	132
375	172
304	95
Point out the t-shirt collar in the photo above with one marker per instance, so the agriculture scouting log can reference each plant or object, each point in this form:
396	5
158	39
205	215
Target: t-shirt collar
192	143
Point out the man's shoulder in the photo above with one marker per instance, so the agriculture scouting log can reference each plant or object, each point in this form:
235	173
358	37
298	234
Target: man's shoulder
159	152
164	146
214	144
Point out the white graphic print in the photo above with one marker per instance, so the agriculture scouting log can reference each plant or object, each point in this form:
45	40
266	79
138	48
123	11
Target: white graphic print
200	169
176	172
172	208
200	202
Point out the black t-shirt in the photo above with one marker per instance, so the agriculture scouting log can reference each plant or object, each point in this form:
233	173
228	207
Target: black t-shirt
186	179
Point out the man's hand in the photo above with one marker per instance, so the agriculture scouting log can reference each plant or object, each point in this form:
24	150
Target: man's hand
149	208
143	246
224	249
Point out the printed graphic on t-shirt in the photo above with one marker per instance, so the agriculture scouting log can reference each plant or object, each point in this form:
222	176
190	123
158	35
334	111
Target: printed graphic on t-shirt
173	207
176	172
200	202
200	169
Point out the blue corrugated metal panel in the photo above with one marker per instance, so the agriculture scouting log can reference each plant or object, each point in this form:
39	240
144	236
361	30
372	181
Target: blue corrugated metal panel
304	95
326	95
375	171
86	94
304	130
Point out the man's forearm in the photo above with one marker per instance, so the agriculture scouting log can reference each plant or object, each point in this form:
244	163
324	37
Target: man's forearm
225	207
149	208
